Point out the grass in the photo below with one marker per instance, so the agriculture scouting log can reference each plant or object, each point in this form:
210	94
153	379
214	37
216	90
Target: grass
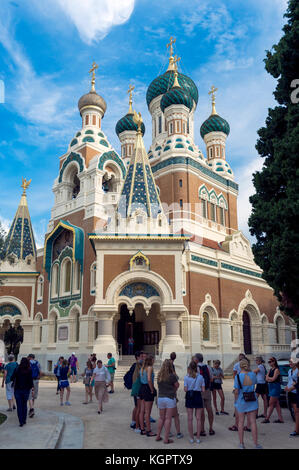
2	418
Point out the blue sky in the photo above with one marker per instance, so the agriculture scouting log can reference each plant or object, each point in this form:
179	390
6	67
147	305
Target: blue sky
46	50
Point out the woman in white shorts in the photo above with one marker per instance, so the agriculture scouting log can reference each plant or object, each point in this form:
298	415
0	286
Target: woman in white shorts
167	386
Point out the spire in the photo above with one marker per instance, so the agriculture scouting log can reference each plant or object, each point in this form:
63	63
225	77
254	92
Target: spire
212	92
139	191
170	47
130	90
93	79
20	238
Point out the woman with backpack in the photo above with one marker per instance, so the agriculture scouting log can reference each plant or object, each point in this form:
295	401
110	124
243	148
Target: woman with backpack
147	395
261	386
274	384
246	402
23	385
167	386
57	372
194	386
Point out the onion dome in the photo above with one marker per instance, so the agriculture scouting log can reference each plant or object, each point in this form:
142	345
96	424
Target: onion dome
214	123
126	123
163	83
176	95
92	99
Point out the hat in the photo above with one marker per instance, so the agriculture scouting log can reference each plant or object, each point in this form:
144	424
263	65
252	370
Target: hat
73	353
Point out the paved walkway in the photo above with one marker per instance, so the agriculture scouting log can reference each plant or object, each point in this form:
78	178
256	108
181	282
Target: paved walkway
111	430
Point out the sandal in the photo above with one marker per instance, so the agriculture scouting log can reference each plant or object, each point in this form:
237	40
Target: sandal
224	413
246	429
158	439
203	433
211	432
143	432
266	421
278	421
150	434
170	441
233	428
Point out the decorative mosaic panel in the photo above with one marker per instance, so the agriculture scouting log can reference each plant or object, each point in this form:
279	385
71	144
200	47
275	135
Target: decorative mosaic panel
9	309
199	259
139	289
240	270
113	157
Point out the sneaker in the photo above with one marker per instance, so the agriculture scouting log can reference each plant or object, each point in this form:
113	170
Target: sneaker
31	413
179	435
61	404
224	413
258	446
217	413
152	420
197	441
9	409
294	434
133	425
241	446
138	431
67	403
191	441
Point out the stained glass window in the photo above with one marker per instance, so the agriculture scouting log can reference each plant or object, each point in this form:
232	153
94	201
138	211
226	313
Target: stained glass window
67	279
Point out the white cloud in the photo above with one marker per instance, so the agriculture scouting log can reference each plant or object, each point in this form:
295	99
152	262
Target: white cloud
94	18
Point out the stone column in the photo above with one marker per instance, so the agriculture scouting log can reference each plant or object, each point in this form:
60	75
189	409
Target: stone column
172	340
105	342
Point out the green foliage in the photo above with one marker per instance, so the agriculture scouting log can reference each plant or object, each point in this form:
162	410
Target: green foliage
275	206
2	236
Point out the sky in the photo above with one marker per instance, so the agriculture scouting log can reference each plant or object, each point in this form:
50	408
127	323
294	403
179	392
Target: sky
46	51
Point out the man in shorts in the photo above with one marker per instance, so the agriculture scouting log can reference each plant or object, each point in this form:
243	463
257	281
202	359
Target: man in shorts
73	363
206	372
36	373
111	368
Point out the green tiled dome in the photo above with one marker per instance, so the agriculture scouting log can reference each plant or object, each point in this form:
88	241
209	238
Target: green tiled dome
176	95
214	123
163	83
127	123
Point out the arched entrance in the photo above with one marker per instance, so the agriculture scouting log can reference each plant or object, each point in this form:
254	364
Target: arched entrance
144	328
247	333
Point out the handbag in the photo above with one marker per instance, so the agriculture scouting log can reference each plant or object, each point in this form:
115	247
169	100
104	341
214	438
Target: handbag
86	380
248	396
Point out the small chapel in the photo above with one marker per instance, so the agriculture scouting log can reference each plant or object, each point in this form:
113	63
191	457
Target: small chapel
141	244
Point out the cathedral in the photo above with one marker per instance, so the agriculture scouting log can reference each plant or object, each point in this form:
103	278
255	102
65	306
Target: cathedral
141	244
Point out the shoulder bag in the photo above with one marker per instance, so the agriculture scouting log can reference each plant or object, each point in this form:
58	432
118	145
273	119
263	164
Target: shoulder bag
248	396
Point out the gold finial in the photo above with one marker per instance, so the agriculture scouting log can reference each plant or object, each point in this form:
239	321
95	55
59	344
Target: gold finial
131	88
138	120
175	63
170	47
212	92
93	79
25	185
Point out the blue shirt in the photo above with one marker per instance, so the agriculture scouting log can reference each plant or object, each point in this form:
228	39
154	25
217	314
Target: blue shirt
143	377
242	405
63	372
10	367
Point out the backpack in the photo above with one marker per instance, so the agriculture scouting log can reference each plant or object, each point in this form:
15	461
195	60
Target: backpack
204	371
128	377
34	369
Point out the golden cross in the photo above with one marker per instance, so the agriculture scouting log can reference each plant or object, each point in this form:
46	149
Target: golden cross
25	184
93	71
130	90
171	42
212	92
175	61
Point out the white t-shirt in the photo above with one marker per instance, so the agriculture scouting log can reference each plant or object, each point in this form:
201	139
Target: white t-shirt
237	368
194	384
260	376
102	374
292	376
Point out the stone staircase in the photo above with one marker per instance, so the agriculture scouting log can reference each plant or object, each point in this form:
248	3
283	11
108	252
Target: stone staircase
229	370
125	363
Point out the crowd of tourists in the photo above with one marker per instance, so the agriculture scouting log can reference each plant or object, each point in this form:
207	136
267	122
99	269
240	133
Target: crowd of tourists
202	385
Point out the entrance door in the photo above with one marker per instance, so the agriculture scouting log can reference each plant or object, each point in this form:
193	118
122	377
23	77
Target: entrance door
246	333
138	336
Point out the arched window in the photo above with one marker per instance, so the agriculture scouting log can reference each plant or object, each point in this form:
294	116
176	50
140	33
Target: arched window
206	327
279	330
65	277
204	208
93	273
77	277
54	281
213	212
55	328
40	289
222	216
234	329
77	328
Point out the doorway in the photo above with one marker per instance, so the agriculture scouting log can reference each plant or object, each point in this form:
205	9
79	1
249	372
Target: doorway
128	327
247	333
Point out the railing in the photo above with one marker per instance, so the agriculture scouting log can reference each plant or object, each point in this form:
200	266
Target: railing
157	351
120	351
279	347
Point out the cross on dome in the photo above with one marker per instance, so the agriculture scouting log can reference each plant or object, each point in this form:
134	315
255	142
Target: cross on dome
130	90
93	79
212	92
170	47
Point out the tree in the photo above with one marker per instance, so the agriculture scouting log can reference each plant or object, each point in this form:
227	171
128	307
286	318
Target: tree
2	236
274	220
